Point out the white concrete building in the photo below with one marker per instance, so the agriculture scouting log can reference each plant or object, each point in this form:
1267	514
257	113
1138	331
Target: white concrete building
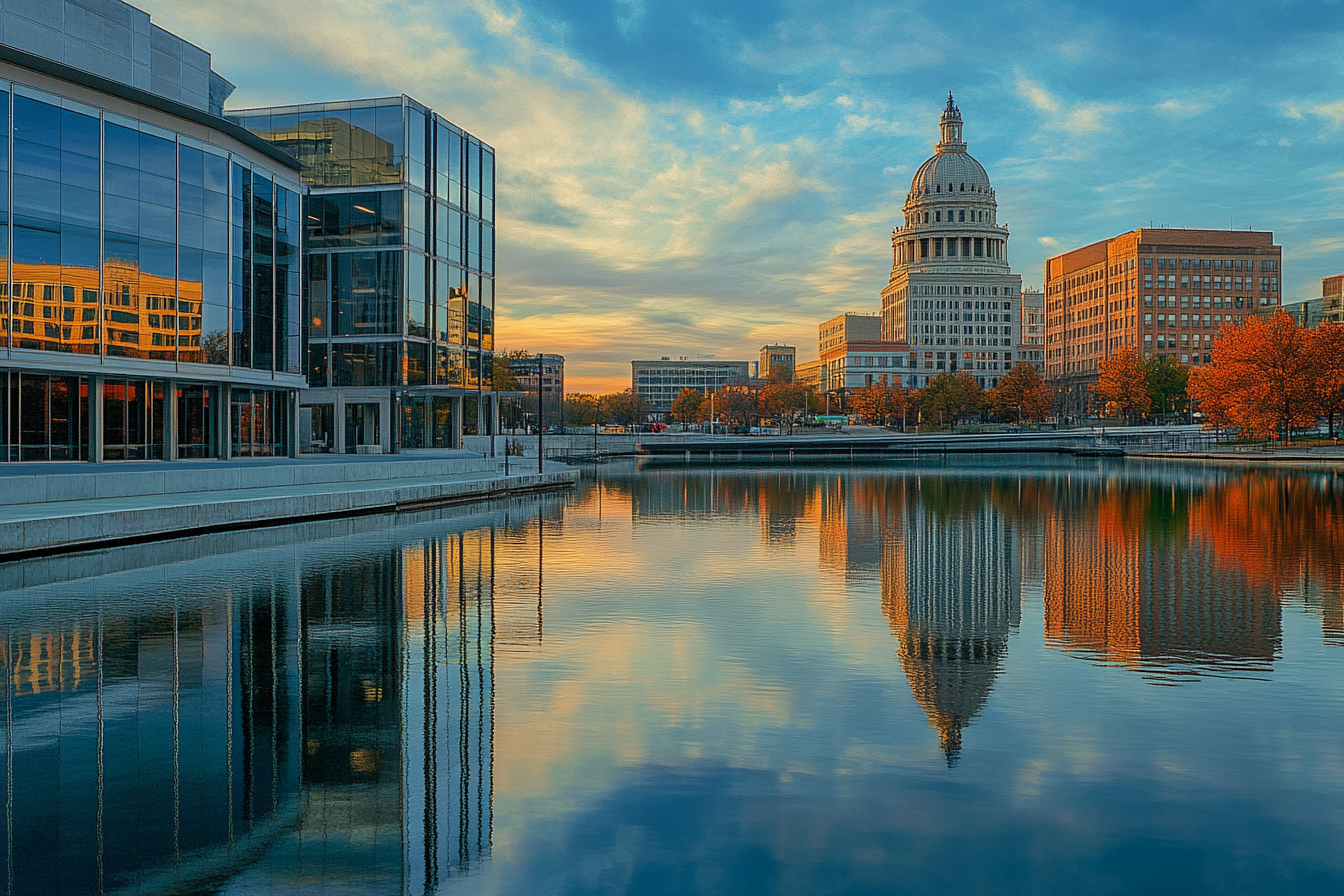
952	295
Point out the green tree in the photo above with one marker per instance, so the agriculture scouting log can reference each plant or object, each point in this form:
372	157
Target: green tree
949	397
1166	379
690	406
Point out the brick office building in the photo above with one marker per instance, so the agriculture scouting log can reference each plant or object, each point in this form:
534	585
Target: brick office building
1164	292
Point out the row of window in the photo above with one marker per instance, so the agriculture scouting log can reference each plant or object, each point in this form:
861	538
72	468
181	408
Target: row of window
978	216
968	330
957	315
934	304
1216	264
1187	320
1164	281
397	364
1208	301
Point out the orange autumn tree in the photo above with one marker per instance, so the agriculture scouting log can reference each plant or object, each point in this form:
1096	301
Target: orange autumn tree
1122	385
1260	379
1021	394
1325	350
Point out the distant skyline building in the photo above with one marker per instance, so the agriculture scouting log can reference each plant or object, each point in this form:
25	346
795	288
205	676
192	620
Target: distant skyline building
860	364
781	357
1330	305
848	327
952	295
660	382
1031	329
1161	292
526	367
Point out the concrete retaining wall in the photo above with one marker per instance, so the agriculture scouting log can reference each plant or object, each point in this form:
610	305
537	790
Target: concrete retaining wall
83	484
102	524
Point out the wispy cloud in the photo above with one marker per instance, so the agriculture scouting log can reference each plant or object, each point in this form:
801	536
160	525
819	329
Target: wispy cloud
685	179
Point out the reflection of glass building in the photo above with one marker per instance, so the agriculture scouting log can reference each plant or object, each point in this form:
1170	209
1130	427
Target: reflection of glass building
400	254
150	271
320	713
951	590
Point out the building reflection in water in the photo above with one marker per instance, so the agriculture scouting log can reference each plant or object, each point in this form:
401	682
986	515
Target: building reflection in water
952	592
1170	574
1130	580
324	714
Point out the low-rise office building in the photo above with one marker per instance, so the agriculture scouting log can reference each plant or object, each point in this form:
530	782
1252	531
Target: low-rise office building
150	287
859	364
660	382
848	327
400	256
811	373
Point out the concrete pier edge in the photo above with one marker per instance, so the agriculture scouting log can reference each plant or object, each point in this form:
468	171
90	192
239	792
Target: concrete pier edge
69	530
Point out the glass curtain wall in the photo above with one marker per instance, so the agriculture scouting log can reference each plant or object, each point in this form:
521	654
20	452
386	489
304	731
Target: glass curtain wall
400	242
258	425
43	417
132	241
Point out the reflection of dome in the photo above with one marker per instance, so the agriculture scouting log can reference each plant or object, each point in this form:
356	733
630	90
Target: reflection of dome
951	679
951	591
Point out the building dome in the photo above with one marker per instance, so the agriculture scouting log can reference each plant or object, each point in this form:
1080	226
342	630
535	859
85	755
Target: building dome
951	169
954	172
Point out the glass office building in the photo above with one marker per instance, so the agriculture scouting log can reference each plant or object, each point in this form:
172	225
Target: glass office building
400	260
150	283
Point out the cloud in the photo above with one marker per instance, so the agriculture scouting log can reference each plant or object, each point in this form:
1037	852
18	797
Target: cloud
1077	120
742	177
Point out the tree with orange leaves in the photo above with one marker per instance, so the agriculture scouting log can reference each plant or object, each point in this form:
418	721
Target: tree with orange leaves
1122	385
1325	350
1021	394
1260	379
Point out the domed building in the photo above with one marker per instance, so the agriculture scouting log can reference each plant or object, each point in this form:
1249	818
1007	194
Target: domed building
952	296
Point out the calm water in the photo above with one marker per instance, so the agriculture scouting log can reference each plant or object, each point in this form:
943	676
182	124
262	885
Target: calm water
1043	676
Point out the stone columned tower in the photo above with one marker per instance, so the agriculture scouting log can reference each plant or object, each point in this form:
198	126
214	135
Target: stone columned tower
952	295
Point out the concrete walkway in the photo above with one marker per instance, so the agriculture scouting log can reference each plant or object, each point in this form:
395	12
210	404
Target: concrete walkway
64	507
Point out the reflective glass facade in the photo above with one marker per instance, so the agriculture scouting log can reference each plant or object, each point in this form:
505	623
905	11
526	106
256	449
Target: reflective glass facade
400	246
144	270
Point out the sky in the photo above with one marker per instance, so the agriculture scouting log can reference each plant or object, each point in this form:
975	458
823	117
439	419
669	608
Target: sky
700	178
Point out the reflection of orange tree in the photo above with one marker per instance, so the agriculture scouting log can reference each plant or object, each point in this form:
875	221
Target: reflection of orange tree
1274	528
1131	572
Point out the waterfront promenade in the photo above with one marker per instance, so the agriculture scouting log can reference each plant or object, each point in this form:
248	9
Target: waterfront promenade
47	508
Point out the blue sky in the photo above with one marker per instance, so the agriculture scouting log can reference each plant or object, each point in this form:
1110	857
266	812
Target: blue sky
699	178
